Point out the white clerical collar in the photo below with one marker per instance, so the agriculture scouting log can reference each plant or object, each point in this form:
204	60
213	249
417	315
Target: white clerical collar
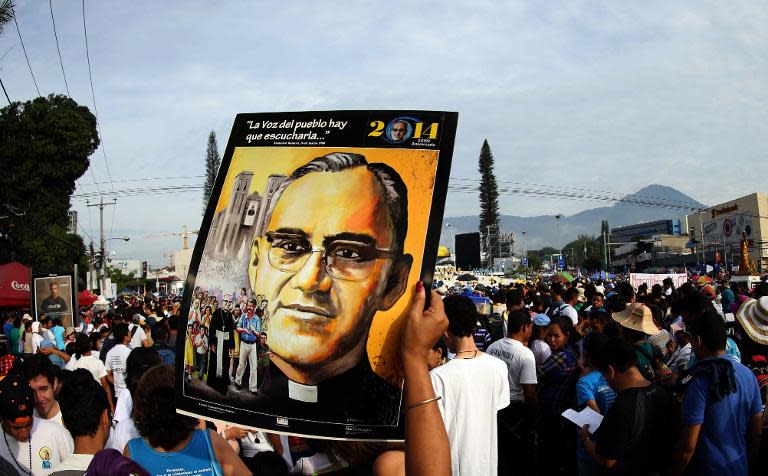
302	393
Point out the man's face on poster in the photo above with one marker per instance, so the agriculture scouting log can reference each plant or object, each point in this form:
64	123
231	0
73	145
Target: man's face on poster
397	131
326	265
54	287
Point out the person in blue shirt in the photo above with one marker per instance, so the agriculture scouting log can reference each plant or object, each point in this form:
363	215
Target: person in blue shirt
58	333
249	328
721	411
593	391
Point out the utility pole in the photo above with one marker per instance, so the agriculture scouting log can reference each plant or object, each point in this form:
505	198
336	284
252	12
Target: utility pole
102	243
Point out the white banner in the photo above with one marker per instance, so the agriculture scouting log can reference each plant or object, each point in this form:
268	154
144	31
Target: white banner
636	279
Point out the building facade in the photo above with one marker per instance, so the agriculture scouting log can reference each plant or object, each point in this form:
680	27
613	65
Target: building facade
719	229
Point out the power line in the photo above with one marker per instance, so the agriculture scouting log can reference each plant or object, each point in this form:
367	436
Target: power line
18	30
149	179
617	195
96	114
56	36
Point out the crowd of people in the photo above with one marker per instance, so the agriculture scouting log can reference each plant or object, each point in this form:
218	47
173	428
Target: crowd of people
674	376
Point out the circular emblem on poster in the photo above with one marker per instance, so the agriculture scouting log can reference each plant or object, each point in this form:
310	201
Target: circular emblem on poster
727	228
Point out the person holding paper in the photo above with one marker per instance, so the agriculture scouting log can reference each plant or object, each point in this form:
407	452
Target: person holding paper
637	433
592	391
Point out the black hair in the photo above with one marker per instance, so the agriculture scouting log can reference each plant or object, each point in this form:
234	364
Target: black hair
626	291
557	289
565	323
710	327
619	355
160	335
267	463
40	364
517	319
94	338
570	293
395	192
82	345
594	345
462	315
139	361
760	291
82	401
154	410
514	298
120	331
615	303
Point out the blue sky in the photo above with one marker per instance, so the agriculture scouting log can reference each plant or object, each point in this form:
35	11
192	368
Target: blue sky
594	94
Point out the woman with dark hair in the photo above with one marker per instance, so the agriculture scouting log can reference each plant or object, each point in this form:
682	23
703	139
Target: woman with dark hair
140	360
171	440
83	359
557	381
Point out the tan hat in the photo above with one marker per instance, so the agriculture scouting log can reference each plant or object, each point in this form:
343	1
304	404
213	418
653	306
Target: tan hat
638	317
69	331
582	296
753	316
26	317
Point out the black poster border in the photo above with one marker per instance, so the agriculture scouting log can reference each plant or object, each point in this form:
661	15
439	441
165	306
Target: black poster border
323	430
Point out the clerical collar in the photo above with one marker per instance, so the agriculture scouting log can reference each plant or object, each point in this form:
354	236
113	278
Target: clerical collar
301	392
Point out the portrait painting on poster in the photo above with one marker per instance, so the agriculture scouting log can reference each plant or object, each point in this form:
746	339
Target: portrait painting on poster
55	296
317	230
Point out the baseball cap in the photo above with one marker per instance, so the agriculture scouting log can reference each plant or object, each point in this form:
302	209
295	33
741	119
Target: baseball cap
541	320
16	399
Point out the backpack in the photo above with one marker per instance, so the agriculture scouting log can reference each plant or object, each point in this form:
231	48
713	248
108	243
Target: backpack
555	311
109	342
654	370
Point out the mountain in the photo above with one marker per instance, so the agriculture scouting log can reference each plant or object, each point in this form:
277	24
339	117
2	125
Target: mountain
647	204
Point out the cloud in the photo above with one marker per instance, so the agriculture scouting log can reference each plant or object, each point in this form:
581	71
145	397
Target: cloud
597	94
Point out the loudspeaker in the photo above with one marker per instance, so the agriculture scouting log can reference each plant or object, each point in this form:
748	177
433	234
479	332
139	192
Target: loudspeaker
468	251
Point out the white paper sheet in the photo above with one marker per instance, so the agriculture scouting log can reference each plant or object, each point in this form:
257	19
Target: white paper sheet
585	417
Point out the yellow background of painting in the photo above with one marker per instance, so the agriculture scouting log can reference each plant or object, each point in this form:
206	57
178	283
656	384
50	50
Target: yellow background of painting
417	168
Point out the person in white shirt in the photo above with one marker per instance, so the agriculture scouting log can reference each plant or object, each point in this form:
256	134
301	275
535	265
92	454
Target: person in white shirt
36	337
84	360
516	421
41	377
138	335
680	350
32	445
538	338
471	388
88	424
117	358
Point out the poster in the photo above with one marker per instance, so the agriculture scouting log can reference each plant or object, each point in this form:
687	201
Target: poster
636	279
54	295
319	226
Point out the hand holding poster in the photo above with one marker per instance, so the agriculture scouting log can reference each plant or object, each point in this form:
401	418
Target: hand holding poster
319	226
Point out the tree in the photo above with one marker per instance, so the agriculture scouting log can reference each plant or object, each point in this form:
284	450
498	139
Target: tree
584	251
119	278
212	164
6	13
489	203
45	147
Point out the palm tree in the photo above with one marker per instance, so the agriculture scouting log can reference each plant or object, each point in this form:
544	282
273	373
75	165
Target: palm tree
6	13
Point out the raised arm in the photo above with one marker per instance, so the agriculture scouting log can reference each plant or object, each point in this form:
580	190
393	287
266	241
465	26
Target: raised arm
427	452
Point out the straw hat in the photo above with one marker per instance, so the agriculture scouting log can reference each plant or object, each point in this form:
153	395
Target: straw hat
637	317
753	316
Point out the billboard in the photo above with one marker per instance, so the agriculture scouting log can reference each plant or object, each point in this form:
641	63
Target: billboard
55	295
319	226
